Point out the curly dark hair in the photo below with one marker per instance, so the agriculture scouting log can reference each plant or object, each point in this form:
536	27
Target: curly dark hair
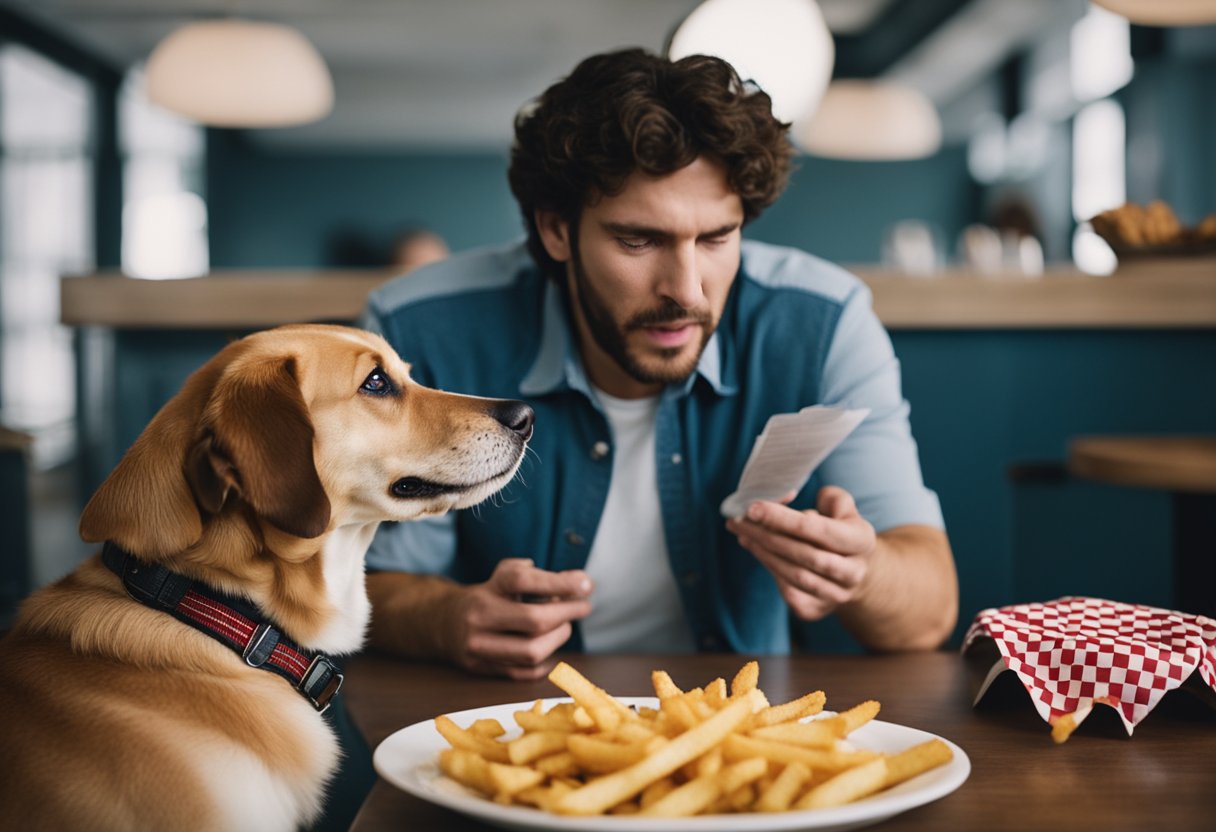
620	112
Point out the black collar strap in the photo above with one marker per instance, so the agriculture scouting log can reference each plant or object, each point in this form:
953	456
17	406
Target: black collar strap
230	621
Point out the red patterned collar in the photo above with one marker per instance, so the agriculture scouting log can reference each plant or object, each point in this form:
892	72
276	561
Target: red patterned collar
231	621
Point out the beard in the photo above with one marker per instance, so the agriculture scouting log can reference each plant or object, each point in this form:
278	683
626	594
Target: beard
656	366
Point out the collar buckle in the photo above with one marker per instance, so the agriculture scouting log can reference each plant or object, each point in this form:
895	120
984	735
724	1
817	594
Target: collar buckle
321	682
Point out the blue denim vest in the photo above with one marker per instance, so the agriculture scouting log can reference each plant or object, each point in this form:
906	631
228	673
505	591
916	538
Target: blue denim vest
795	331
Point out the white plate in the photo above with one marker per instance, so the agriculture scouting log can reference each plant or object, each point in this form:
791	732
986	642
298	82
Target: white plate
409	760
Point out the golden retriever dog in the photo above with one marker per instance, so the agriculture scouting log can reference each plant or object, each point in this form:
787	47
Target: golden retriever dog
177	680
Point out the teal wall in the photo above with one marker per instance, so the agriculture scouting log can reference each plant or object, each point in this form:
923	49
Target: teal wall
285	209
983	402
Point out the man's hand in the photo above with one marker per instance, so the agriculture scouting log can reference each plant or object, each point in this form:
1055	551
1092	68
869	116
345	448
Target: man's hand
513	623
820	557
896	590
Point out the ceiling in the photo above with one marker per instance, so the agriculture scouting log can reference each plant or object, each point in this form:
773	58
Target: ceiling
450	74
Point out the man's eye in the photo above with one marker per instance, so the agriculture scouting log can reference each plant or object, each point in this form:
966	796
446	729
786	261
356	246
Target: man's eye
378	384
634	243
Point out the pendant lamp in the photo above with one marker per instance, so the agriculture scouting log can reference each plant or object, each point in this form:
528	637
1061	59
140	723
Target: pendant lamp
1163	12
782	45
240	73
871	120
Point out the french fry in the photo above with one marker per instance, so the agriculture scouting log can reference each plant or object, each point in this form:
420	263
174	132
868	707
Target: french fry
698	794
466	768
555	719
817	734
689	799
460	738
611	789
803	706
602	756
846	722
537	744
561	764
508	780
603	709
738	747
656	790
1062	728
852	784
779	796
664	687
489	728
916	760
746	679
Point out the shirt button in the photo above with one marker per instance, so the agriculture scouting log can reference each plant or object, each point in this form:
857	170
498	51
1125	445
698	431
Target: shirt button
574	538
676	459
599	450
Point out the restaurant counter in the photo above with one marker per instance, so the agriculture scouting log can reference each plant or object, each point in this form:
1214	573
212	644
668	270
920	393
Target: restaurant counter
1169	294
1001	373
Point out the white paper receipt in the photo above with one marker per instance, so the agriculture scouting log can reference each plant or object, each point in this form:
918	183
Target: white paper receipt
787	451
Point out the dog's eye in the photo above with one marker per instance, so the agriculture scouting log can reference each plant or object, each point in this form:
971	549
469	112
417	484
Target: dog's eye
378	384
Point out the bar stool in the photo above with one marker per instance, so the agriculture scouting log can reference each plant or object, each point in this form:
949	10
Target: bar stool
1186	467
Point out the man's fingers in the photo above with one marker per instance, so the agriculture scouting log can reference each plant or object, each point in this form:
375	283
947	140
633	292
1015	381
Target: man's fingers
518	578
799	578
504	614
834	501
509	650
839	569
846	536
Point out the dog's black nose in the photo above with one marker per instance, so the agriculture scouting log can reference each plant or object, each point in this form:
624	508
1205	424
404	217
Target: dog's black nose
515	415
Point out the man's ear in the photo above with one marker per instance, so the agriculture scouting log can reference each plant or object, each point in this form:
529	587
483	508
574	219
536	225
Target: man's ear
554	234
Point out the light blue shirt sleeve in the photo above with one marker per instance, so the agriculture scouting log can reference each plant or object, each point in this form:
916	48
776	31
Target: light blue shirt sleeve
426	547
878	463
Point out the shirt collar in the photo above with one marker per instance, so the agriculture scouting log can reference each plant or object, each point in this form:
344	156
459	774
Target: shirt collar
557	365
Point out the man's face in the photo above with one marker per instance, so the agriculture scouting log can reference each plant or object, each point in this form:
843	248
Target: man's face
649	271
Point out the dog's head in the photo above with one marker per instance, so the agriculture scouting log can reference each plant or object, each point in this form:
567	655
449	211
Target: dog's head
304	429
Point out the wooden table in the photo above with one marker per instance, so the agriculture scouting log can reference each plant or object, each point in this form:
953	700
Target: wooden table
1100	779
1186	467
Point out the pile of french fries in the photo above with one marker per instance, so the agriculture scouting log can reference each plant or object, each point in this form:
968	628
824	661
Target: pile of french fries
709	750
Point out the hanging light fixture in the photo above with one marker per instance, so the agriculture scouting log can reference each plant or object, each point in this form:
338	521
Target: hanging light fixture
871	120
240	73
782	45
1163	12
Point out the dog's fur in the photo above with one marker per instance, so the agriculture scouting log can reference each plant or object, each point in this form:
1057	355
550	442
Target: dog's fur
265	477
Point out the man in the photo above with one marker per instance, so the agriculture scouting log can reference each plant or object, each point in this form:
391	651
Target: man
654	345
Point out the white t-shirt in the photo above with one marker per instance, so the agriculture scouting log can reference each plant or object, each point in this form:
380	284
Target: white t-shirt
635	607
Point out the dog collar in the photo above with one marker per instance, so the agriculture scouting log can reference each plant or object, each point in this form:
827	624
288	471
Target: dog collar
231	621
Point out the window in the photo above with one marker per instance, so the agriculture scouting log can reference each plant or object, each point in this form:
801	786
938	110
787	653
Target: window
164	218
47	230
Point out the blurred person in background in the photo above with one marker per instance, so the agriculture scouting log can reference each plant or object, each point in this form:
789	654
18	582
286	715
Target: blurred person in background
417	247
654	343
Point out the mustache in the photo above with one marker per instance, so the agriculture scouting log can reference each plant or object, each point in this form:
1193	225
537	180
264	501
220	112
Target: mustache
669	312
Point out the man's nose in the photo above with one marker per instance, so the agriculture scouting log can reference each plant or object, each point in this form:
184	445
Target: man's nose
683	277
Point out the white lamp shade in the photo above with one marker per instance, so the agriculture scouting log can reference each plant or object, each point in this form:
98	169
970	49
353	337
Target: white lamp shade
782	45
1163	12
871	120
240	73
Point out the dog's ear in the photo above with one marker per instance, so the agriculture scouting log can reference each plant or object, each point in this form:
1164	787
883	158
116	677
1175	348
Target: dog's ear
257	441
146	505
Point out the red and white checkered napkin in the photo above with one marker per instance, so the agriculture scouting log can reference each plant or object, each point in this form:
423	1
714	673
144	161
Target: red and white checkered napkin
1073	652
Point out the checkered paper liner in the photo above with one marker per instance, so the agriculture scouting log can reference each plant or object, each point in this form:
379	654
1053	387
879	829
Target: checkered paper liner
1074	652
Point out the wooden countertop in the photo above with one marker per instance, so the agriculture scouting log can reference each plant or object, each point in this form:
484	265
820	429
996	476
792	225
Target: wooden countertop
1100	780
1174	463
1148	296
